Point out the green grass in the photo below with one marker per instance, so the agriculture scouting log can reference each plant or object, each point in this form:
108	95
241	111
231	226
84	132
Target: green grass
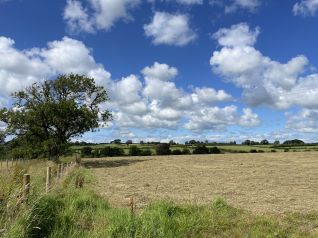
70	212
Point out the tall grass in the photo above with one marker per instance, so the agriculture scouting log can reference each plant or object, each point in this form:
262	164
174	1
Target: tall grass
70	212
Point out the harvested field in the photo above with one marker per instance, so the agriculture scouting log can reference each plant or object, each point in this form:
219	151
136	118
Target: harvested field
262	183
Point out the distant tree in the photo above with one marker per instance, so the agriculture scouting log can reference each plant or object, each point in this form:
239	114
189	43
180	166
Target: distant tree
201	149
111	151
129	142
134	150
294	142
142	142
186	151
192	142
163	149
171	142
264	142
276	142
86	151
146	152
47	115
116	141
246	142
214	150
176	152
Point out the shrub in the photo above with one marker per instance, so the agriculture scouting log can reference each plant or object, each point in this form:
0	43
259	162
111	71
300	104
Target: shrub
215	150
177	152
111	151
273	151
286	150
186	151
201	149
145	152
134	150
163	149
86	151
260	151
253	151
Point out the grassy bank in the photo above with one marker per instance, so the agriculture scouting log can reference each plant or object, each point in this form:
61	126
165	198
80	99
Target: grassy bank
71	212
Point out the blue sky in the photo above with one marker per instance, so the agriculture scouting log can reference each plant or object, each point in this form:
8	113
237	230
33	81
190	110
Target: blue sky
175	69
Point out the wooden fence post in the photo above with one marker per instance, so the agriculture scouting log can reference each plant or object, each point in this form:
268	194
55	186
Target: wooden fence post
26	186
48	179
58	171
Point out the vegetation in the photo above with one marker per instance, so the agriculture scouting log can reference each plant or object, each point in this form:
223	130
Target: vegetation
71	212
45	116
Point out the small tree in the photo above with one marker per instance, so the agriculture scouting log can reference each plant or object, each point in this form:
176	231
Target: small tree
201	149
47	115
134	150
129	142
163	149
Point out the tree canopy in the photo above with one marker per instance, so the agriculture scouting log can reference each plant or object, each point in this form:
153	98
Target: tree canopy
47	115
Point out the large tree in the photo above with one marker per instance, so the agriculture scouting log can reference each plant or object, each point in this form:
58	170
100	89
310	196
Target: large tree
47	115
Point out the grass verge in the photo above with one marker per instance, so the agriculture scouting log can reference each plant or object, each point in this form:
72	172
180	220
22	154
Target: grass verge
71	212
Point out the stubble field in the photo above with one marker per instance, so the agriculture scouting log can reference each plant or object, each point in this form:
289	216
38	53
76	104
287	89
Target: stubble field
261	183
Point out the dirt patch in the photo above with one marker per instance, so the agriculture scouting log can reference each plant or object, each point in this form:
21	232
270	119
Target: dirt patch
262	183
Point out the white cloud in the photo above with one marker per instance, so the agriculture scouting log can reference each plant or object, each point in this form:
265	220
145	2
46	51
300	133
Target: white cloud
187	2
305	8
249	119
152	102
231	6
237	35
209	95
97	14
19	69
304	121
263	80
159	71
170	29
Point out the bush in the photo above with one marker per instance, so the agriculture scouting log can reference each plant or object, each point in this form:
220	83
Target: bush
134	151
96	153
145	152
177	152
215	150
163	149
201	149
111	151
86	151
253	151
186	151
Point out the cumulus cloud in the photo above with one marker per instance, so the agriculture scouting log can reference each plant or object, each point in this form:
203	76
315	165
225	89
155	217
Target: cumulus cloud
19	69
263	80
170	29
231	6
97	14
305	8
152	101
305	120
187	2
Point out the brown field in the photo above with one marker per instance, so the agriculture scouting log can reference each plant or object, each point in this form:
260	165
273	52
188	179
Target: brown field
262	183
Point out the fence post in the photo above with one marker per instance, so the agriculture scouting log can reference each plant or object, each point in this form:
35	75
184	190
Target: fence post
48	179
58	171
26	186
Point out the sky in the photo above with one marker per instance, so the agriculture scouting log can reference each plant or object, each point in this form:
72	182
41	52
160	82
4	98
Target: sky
217	70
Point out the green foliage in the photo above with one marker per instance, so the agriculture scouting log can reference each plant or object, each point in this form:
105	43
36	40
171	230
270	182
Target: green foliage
46	115
176	152
294	142
163	149
186	151
134	150
215	150
70	212
86	151
201	149
111	151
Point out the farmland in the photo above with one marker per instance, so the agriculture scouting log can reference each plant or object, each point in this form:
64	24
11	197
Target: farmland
262	183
